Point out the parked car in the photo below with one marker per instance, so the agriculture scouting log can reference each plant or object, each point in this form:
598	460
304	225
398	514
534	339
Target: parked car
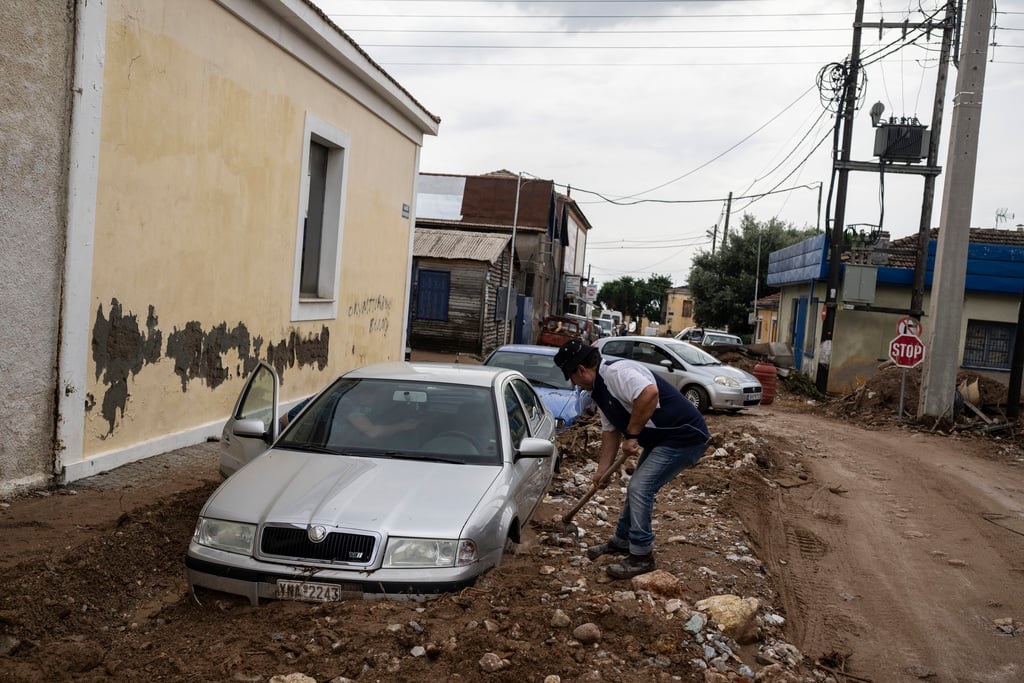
555	330
605	327
707	382
399	478
537	363
706	337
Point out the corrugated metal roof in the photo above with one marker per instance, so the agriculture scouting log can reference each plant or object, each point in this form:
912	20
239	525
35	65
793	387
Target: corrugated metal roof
459	244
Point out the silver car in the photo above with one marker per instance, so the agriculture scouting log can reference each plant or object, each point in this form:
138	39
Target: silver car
706	381
399	478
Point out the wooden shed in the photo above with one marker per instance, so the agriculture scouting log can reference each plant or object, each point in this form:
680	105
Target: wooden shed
456	278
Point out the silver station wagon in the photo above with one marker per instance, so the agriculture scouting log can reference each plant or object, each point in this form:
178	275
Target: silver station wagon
706	381
398	479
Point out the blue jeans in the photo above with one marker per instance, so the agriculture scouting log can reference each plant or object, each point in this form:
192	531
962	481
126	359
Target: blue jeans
656	467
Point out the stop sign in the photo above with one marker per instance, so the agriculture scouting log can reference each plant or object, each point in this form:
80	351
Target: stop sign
906	351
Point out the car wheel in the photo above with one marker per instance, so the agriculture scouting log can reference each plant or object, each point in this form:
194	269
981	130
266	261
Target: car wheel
698	397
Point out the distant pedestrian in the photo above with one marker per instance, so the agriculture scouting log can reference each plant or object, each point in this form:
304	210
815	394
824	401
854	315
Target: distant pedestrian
646	416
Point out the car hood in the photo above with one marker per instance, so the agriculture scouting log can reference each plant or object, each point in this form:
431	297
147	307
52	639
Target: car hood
713	371
373	494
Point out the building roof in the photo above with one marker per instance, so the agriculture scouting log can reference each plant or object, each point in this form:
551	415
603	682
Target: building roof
374	65
459	245
903	251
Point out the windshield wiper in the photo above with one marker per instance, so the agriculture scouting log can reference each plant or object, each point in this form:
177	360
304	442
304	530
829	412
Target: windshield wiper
309	446
426	458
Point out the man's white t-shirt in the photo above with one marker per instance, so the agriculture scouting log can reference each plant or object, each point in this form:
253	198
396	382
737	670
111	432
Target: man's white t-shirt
625	380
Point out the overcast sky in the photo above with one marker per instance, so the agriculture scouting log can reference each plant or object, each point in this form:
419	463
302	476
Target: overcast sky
666	107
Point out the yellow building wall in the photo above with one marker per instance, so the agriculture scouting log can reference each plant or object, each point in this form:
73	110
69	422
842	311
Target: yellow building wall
196	218
677	305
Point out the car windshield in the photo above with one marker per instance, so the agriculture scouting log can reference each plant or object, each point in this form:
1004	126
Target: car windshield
539	368
399	419
691	354
721	339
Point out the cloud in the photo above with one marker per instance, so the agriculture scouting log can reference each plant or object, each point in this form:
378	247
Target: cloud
633	102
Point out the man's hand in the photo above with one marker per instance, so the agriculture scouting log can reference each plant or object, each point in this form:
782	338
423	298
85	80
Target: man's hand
631	446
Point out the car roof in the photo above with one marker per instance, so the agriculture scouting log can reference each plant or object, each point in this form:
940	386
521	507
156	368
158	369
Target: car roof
529	348
469	374
636	337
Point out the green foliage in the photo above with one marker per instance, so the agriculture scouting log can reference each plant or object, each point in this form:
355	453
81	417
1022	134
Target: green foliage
636	298
801	383
723	283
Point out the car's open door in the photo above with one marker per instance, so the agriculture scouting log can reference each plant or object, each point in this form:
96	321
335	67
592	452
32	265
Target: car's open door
254	423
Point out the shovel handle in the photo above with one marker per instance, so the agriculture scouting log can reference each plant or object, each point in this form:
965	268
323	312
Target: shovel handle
616	464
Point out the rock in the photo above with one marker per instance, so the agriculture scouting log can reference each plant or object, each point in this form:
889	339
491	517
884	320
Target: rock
587	633
8	644
736	617
674	605
491	662
547	569
292	678
696	623
492	626
560	619
775	673
418	651
659	581
552	679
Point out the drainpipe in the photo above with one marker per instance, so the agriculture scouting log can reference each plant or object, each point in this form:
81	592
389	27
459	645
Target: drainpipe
83	168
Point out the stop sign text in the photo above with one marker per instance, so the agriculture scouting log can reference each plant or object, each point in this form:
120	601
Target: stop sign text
906	351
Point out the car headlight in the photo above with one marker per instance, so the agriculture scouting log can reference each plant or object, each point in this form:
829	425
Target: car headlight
234	537
727	381
429	552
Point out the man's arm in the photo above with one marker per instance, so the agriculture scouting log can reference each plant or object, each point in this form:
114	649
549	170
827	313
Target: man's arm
643	408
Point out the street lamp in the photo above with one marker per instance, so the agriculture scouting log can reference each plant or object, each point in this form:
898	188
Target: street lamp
511	265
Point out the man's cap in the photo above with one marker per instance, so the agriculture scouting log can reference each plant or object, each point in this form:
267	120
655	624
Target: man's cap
571	354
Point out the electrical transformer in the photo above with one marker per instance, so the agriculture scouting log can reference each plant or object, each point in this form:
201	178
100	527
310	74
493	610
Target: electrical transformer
901	142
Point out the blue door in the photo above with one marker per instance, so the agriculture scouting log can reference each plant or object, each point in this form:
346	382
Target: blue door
799	330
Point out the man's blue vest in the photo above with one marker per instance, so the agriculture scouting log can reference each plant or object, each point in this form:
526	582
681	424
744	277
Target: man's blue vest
676	421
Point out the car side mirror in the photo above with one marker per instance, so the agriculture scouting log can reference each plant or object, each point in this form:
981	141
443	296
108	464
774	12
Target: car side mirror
666	363
251	429
532	447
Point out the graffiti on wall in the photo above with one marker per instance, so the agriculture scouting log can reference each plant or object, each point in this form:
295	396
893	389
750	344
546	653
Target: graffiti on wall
121	349
377	309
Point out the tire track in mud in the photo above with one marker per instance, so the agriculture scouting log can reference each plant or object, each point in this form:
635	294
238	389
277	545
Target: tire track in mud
882	555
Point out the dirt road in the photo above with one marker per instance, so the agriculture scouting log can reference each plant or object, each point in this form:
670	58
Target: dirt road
890	554
903	551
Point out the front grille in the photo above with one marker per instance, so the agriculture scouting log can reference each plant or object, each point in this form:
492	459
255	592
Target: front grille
751	390
291	542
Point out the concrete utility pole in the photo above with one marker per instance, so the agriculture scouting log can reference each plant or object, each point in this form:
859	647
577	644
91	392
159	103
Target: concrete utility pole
836	238
938	379
924	227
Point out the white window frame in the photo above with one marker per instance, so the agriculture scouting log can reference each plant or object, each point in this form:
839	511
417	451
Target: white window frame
338	142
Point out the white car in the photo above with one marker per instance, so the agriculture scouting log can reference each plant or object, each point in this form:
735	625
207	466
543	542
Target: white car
399	478
706	381
699	335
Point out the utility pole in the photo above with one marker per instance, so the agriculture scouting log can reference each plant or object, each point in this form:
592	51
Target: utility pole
713	233
836	238
938	378
924	227
728	210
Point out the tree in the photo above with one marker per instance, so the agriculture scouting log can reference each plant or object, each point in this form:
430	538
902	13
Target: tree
636	298
723	283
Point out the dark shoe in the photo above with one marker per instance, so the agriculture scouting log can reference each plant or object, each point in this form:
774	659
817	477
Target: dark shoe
634	565
609	548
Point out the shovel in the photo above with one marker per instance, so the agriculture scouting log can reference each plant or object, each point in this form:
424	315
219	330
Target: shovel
563	524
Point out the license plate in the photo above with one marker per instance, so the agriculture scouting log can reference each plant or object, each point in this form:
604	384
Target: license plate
309	591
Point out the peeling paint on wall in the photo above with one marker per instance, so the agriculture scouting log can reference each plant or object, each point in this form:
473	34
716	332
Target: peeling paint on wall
309	351
120	349
199	354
